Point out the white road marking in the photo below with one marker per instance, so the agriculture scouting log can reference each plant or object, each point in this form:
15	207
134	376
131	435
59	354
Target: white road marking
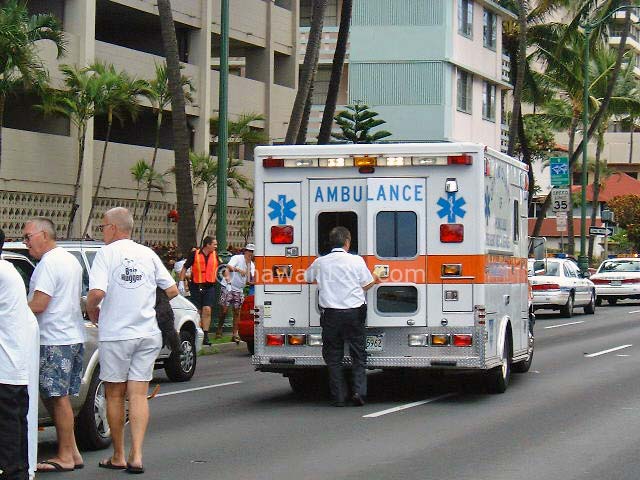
408	405
197	388
564	324
635	311
615	349
622	355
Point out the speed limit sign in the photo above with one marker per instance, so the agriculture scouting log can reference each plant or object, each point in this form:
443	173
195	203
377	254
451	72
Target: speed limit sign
560	199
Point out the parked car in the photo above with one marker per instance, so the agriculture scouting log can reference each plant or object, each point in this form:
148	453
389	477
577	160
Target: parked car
617	279
92	429
557	284
246	323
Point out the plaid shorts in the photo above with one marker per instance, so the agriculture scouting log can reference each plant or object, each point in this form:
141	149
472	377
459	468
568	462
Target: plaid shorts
231	298
60	370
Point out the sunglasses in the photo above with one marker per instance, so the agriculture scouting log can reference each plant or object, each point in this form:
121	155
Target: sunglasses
101	228
28	236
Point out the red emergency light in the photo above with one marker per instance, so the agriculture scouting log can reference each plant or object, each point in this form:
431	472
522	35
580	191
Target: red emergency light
282	234
451	233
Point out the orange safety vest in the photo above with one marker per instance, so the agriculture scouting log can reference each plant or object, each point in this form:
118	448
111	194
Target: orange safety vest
204	271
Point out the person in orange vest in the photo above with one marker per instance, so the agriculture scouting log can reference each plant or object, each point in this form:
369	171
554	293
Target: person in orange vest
203	263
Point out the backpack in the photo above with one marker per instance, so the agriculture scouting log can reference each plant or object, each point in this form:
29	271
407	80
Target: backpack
165	319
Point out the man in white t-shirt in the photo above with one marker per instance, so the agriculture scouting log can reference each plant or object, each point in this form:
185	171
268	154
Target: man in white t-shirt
239	273
122	296
54	297
19	349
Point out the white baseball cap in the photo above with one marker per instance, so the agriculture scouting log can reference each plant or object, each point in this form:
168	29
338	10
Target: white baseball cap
250	246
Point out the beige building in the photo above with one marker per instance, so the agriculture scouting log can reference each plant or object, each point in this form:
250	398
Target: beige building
39	154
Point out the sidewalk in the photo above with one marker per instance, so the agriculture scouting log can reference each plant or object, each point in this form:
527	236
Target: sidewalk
222	345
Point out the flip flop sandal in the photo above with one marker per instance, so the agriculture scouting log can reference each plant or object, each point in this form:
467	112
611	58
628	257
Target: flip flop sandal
57	468
109	465
133	469
78	466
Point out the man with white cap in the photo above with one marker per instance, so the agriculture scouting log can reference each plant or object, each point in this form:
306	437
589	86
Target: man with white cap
240	271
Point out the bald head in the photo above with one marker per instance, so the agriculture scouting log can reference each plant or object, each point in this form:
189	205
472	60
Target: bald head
121	219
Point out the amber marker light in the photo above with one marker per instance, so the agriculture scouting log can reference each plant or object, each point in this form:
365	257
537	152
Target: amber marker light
296	340
439	340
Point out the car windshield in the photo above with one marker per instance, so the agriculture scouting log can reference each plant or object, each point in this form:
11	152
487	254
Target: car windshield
544	267
621	266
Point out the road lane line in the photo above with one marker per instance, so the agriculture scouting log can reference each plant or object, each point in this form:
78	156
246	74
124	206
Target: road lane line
615	349
196	389
564	324
635	311
408	405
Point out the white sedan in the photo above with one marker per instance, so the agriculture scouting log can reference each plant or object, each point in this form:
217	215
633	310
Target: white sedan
616	279
558	285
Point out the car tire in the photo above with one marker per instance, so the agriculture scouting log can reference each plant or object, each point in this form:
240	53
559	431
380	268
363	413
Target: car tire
598	301
612	301
181	365
498	378
91	426
525	365
590	308
567	310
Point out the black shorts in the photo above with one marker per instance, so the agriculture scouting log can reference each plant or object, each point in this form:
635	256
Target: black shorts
202	296
14	450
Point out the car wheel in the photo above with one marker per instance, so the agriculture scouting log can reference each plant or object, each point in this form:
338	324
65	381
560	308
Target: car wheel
598	301
590	308
498	378
612	301
91	425
181	365
525	365
567	310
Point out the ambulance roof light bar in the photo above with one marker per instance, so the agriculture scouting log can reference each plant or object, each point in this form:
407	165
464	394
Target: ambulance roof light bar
368	161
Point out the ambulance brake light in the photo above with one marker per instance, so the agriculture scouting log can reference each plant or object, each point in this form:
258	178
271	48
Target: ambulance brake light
270	162
274	340
282	234
460	159
451	233
462	340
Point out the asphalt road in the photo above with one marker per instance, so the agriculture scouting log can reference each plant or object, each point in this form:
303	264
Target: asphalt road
575	415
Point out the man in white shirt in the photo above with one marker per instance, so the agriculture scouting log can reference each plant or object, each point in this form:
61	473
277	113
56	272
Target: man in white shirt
54	297
239	273
19	350
122	293
342	280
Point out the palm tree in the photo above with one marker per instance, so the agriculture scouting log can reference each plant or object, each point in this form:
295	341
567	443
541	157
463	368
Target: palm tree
240	131
20	65
184	188
118	99
205	173
336	73
139	173
308	70
159	95
77	102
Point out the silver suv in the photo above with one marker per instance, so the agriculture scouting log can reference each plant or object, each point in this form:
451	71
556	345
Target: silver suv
92	429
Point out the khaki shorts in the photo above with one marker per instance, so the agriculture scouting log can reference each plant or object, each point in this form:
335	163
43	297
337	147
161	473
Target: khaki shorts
123	360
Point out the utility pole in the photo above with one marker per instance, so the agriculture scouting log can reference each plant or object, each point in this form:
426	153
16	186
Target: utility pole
223	130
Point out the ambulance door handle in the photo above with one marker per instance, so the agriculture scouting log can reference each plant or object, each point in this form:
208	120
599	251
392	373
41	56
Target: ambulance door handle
507	299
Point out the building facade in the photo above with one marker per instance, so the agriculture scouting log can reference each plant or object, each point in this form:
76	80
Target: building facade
39	154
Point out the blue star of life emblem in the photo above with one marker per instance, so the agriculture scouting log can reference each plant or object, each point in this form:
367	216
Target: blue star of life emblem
282	209
451	207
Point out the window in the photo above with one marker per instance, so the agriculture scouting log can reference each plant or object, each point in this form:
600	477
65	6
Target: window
489	29
465	91
321	85
516	221
465	18
24	268
488	101
570	271
85	273
397	299
396	234
330	13
328	220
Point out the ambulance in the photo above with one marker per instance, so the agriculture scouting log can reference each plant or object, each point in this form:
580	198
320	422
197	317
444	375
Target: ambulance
443	224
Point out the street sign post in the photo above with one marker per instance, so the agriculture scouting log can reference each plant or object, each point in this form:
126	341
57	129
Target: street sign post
604	231
561	221
560	199
559	168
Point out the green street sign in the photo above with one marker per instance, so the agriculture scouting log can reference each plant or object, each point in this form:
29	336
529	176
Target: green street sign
559	168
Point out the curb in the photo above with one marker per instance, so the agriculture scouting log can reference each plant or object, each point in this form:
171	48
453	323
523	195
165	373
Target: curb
224	347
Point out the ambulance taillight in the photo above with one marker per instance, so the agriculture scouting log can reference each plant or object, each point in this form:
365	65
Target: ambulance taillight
282	234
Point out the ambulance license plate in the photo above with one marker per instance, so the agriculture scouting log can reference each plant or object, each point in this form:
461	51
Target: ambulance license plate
375	343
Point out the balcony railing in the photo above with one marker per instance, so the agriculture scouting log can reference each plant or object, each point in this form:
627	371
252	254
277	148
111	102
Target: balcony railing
506	68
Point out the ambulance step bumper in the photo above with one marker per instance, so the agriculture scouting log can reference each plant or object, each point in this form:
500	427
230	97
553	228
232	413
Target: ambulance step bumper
266	363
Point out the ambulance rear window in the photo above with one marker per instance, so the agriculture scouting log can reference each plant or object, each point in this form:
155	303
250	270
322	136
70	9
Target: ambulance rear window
397	299
328	220
396	234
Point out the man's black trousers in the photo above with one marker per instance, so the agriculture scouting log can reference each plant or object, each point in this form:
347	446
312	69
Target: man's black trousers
14	452
338	326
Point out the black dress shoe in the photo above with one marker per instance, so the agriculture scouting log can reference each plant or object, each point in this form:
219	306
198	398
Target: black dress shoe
357	400
337	404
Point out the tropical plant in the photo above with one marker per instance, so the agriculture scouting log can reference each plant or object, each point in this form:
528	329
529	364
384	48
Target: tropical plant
142	173
246	221
184	188
626	209
240	131
118	99
82	91
356	124
159	95
20	64
307	72
336	73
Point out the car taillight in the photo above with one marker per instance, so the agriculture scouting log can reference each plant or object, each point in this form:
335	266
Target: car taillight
462	340
273	340
451	233
459	160
545	286
282	234
631	280
599	281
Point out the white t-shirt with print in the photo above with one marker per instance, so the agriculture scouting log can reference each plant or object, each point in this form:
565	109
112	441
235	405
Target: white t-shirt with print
18	328
59	275
128	273
237	282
